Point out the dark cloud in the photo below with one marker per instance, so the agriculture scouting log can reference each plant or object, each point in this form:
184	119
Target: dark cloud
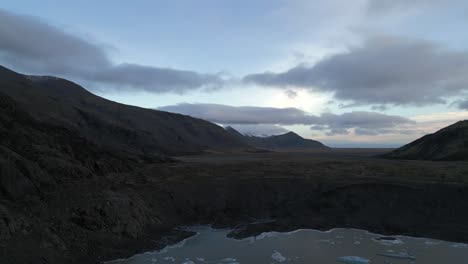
30	44
364	123
151	79
363	119
332	124
291	94
384	70
463	104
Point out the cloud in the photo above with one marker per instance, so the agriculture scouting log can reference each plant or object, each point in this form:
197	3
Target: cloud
379	7
30	44
151	79
365	123
291	94
225	114
332	124
259	130
463	104
383	70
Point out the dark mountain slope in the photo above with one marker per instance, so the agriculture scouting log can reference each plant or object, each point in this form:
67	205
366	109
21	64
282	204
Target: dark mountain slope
64	103
450	143
288	141
66	199
47	176
34	155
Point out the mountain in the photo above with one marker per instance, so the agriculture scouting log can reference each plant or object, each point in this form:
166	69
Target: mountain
62	103
450	143
287	141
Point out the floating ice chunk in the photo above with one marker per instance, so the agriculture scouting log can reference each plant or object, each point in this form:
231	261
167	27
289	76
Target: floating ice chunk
399	255
229	260
201	259
459	245
357	242
431	243
170	259
276	256
329	241
388	241
267	235
353	260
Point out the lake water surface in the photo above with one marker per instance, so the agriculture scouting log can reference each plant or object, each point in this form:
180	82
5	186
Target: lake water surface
304	246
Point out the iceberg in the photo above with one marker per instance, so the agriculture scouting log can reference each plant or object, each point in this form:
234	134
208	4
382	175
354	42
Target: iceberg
353	260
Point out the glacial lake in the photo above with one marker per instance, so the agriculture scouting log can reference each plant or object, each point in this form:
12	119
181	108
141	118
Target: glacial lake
304	246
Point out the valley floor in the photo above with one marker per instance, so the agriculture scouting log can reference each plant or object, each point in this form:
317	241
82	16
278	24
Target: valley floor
88	220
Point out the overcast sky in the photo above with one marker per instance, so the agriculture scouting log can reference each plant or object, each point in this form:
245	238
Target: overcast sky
347	73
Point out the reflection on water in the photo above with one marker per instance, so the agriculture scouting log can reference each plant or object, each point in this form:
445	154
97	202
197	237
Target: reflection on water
304	246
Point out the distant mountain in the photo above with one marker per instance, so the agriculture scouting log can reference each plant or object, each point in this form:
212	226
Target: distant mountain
450	143
288	141
62	103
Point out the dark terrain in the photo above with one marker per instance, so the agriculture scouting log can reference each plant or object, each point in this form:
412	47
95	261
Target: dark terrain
449	143
85	180
63	103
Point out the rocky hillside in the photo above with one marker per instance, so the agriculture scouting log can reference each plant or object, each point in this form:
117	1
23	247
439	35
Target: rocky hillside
63	103
82	181
450	143
287	141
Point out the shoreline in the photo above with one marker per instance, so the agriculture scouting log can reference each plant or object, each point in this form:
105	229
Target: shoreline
122	214
266	234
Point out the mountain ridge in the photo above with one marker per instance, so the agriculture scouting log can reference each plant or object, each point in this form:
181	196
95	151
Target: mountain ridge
61	102
449	143
286	141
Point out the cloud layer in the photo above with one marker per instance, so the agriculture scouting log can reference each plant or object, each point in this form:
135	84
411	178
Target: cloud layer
463	104
365	123
384	70
225	114
379	7
259	130
30	44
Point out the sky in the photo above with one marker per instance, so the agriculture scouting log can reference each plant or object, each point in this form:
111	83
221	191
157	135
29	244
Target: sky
363	73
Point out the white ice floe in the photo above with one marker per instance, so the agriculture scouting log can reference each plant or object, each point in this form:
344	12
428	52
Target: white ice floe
267	235
169	259
276	256
329	241
459	245
431	243
229	260
353	260
399	255
387	242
